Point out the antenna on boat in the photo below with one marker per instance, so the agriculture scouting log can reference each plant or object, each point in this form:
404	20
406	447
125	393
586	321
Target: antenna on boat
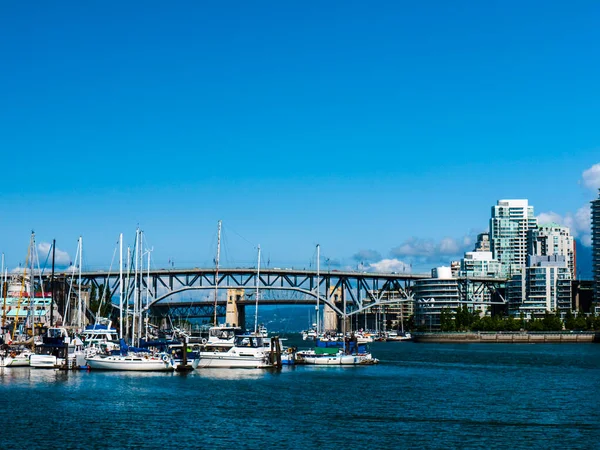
217	272
257	284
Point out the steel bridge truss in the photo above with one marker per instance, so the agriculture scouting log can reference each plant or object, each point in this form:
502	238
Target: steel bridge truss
347	293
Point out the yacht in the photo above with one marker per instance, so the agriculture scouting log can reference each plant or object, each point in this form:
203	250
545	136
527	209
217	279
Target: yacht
247	351
100	337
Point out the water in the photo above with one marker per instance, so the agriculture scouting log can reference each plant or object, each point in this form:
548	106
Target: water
420	396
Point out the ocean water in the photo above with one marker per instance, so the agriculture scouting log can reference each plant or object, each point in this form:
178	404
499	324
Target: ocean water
433	396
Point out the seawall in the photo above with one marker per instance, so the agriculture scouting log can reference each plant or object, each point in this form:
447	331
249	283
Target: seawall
509	337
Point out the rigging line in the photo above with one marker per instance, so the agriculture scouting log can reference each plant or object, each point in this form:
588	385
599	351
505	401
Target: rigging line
106	284
45	262
239	235
68	302
22	290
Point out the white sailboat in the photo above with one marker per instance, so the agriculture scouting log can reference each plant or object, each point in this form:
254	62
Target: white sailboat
133	362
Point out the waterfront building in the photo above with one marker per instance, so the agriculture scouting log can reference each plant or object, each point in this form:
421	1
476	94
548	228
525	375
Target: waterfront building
455	268
553	239
544	286
479	264
510	222
483	243
434	294
596	250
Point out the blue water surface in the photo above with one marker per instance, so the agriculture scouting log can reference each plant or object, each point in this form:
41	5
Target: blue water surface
420	396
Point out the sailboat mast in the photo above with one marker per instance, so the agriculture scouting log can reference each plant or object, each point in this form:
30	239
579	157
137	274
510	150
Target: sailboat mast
140	286
32	307
4	289
257	285
121	286
147	293
52	283
128	291
217	272
3	293
318	288
135	285
80	303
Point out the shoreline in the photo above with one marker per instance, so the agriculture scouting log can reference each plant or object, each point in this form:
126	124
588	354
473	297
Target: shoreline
500	337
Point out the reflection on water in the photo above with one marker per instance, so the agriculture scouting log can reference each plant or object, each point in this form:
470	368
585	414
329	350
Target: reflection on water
27	376
231	374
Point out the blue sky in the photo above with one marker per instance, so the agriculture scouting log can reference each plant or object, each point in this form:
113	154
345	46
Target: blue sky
363	127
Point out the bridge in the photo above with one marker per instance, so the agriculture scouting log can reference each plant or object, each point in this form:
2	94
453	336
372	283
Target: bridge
190	292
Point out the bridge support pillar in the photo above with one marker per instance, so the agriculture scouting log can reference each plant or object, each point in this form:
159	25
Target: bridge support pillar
235	314
330	319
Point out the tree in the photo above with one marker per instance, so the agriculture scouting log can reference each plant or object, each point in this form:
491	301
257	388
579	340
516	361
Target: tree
447	320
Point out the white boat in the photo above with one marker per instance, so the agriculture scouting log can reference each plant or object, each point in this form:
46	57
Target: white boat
248	351
101	336
262	330
394	336
139	363
310	334
311	357
15	359
57	349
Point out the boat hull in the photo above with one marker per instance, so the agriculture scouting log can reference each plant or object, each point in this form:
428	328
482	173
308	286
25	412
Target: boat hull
310	358
45	361
228	361
129	364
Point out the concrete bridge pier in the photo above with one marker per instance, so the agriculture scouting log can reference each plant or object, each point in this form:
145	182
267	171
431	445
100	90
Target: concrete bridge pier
235	314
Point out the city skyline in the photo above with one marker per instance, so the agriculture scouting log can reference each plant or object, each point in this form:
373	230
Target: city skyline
364	131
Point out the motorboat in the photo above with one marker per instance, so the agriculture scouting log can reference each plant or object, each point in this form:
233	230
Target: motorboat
339	352
394	336
247	351
100	337
337	358
56	350
15	358
310	334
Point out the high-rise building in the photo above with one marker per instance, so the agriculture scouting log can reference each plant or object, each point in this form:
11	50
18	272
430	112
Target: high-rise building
553	239
596	249
483	242
511	221
544	286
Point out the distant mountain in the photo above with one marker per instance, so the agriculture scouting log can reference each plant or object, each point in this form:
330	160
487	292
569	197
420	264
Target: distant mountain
584	261
282	319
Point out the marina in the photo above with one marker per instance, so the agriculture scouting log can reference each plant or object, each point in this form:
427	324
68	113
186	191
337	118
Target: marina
419	396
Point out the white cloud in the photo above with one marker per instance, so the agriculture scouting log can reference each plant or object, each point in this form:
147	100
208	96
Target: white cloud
579	223
591	177
390	265
449	246
61	257
429	250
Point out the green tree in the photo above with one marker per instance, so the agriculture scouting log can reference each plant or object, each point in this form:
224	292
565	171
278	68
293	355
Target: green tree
569	320
447	320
